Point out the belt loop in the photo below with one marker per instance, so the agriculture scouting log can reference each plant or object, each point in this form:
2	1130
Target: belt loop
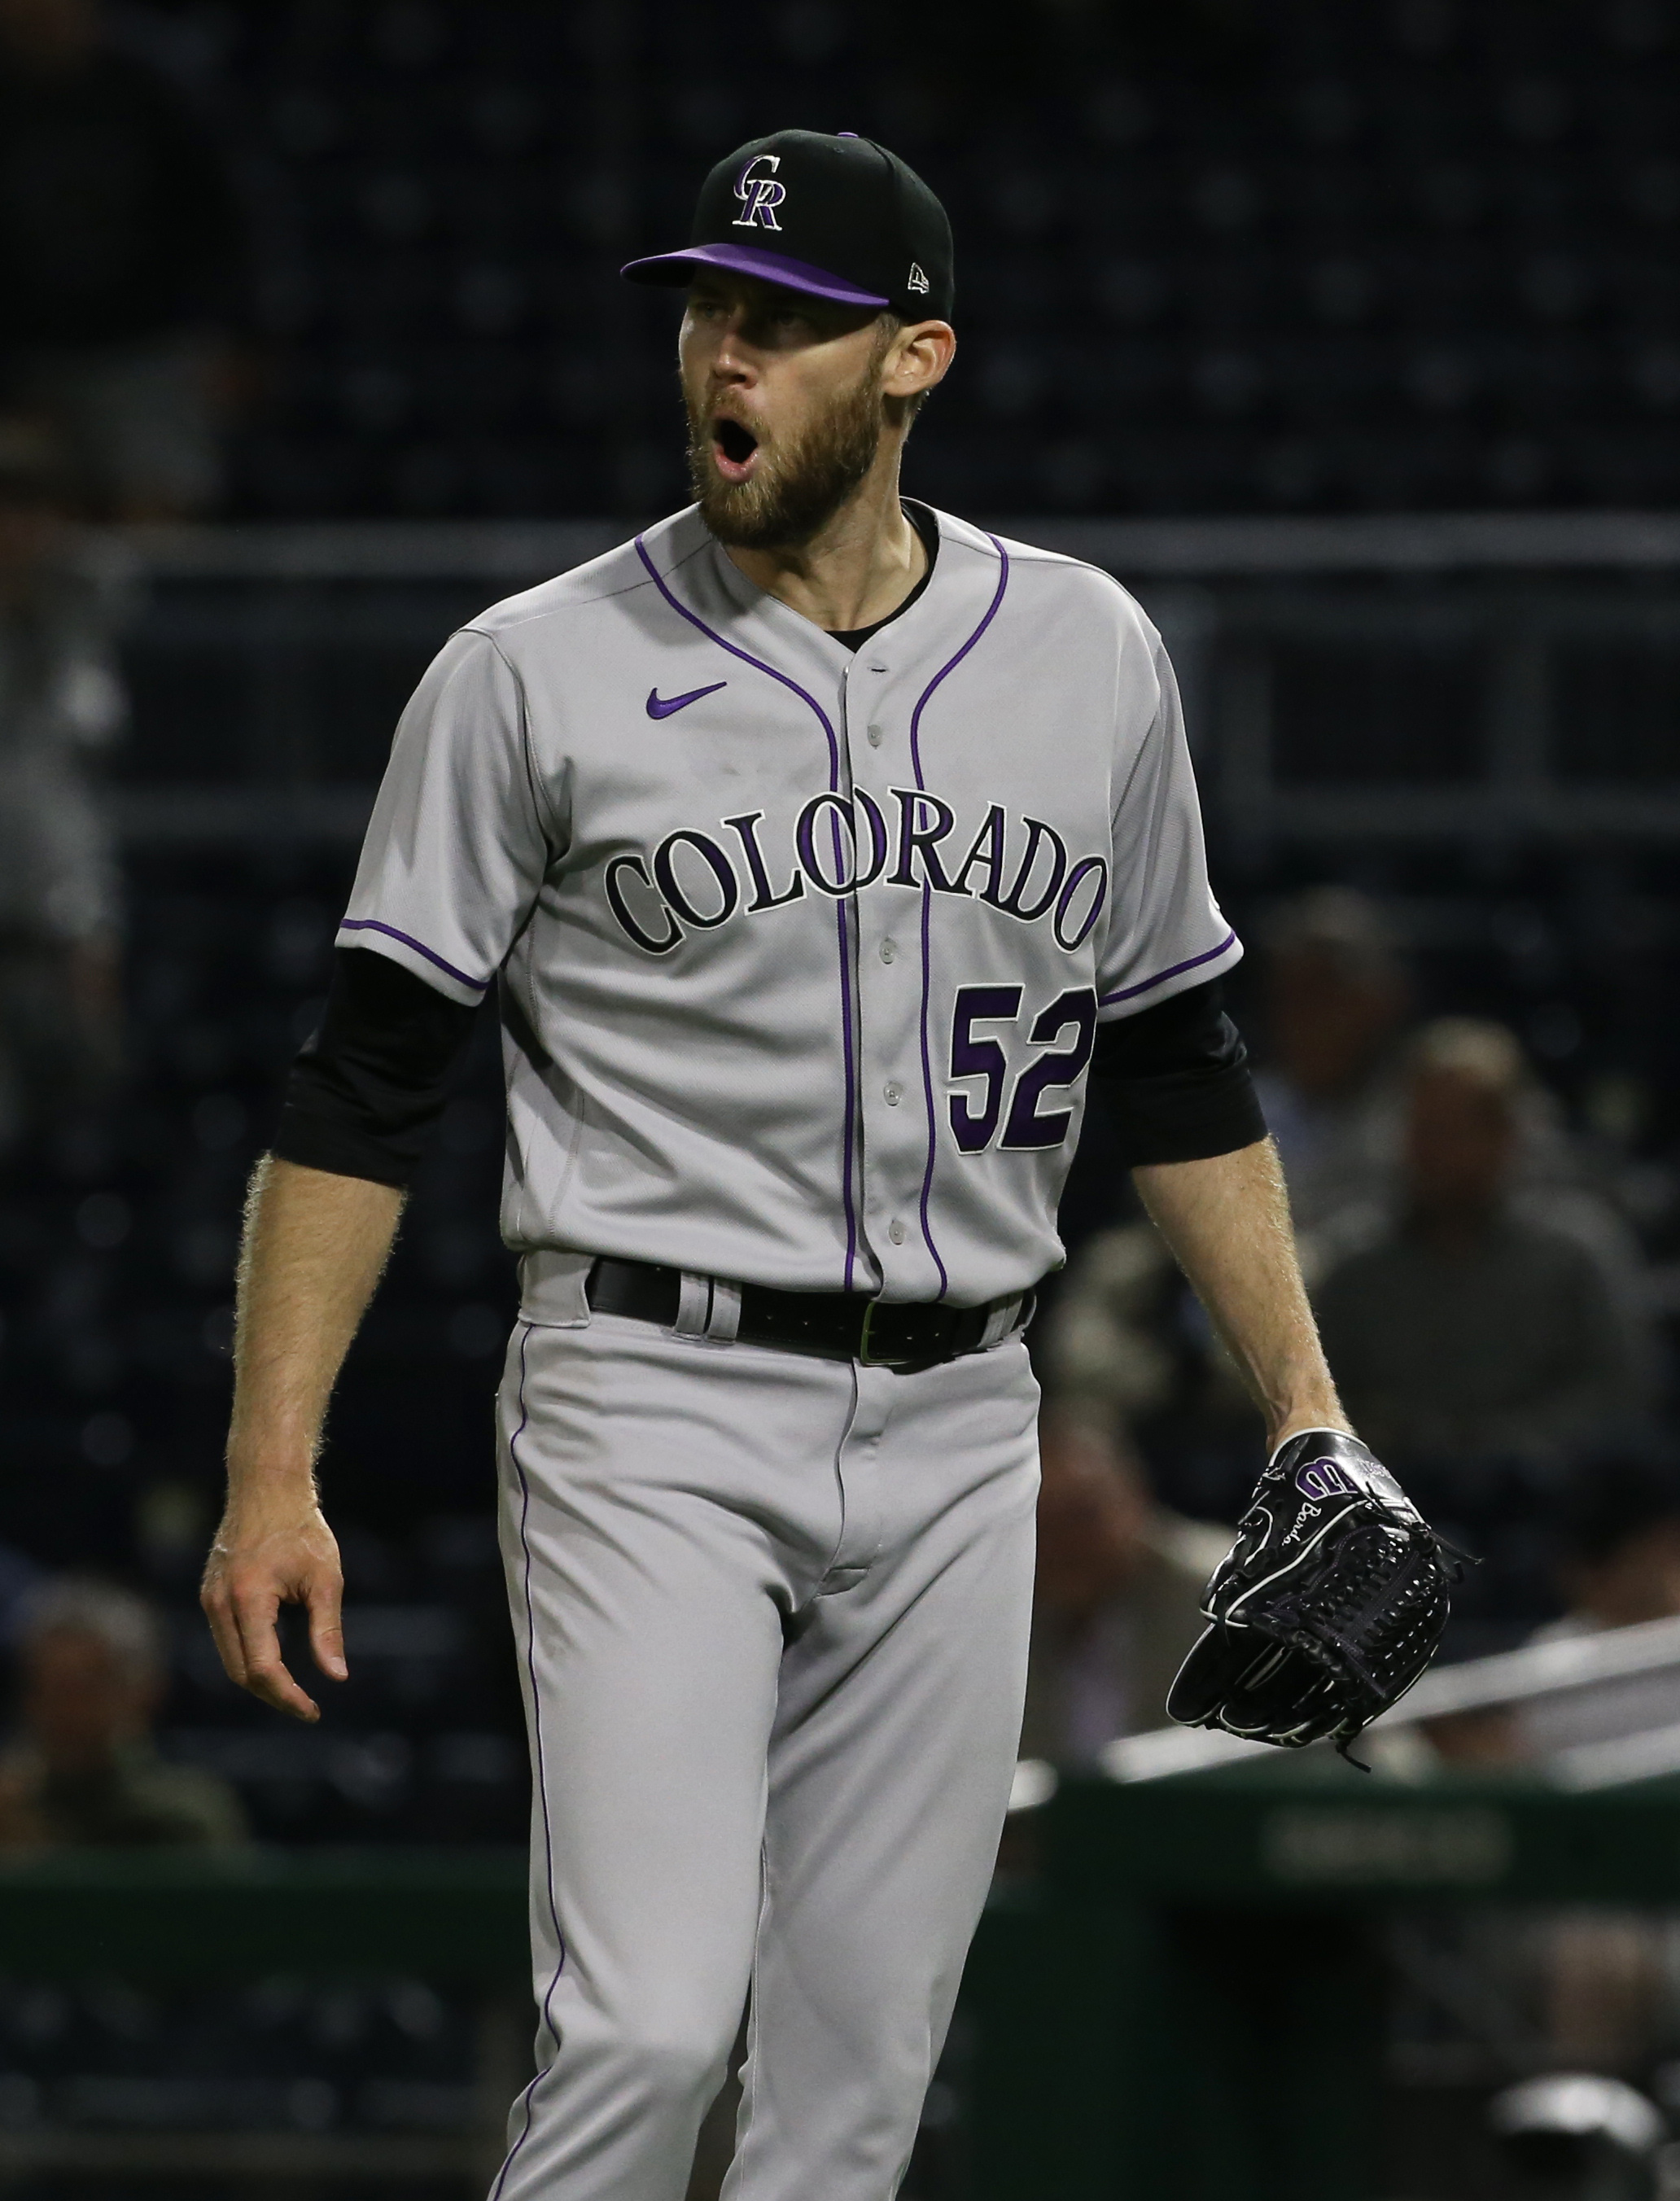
723	1323
708	1307
1005	1317
694	1304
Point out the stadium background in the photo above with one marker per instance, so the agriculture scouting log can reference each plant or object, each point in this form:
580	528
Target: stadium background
1348	336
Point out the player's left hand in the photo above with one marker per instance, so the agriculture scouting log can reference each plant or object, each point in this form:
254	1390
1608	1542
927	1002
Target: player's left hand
1327	1608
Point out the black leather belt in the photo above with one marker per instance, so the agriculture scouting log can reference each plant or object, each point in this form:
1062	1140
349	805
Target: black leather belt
833	1325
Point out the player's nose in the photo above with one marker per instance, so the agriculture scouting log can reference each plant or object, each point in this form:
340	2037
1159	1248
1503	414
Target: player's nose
735	360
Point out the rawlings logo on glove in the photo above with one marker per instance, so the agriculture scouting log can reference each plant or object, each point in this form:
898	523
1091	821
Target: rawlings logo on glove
1327	1608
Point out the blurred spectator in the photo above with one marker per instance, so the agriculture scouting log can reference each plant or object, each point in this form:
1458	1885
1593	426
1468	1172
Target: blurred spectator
1612	1980
1337	993
1109	1339
1337	996
83	1769
1603	1984
1118	1597
1125	1334
1470	1327
61	702
1621	1546
118	241
1617	1565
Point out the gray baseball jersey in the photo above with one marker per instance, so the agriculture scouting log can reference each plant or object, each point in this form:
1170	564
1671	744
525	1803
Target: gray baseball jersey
802	951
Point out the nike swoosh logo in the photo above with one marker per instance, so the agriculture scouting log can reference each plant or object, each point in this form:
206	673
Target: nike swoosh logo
661	706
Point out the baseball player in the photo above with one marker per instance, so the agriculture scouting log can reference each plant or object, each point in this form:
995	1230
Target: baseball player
818	848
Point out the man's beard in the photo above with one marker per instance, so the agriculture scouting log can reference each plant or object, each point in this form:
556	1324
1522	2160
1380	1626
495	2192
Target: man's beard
796	490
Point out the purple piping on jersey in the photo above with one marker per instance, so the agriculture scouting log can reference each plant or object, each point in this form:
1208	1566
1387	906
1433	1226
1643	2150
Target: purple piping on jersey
372	925
540	1772
827	725
746	658
991	613
927	908
847	1193
1160	978
927	1087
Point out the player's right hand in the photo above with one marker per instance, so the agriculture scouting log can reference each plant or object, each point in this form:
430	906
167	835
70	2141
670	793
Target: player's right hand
266	1556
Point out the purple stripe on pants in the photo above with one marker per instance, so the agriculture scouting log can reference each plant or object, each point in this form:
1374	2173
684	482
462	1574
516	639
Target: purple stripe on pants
538	1771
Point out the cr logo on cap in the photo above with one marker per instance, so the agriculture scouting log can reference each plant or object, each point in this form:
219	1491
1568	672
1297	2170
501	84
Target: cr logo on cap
759	195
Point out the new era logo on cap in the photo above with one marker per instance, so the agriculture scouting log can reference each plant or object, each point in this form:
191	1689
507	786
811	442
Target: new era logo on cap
915	280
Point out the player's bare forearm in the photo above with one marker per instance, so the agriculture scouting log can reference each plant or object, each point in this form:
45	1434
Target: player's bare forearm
1227	1222
314	1247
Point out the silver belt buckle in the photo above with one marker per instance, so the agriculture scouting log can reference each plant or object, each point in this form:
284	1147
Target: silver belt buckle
866	1359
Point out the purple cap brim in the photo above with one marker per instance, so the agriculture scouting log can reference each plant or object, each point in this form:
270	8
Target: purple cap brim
748	260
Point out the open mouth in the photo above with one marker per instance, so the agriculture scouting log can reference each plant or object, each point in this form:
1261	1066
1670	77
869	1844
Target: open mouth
733	448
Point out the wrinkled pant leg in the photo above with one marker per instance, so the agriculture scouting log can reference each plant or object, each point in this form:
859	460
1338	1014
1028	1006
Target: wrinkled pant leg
891	1766
648	1578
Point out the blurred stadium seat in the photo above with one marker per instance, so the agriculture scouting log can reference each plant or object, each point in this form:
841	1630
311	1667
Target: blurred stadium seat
1385	270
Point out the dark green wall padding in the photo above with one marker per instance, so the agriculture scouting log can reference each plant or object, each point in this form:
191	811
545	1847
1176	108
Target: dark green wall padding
1185	2003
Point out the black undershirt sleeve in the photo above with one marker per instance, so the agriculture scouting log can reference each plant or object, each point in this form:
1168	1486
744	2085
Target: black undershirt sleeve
1176	1078
366	1091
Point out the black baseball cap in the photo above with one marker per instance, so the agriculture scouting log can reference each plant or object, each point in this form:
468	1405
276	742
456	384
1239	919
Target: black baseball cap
838	218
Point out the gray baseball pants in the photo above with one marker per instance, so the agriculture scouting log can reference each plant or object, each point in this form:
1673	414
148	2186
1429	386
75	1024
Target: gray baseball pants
771	1615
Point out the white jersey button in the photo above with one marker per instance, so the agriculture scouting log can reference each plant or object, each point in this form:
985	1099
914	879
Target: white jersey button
889	950
894	1092
896	1231
874	737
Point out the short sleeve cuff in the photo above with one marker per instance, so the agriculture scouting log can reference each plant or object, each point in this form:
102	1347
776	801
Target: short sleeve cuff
413	954
1131	994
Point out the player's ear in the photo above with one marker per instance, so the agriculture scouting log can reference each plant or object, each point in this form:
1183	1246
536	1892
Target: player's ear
921	355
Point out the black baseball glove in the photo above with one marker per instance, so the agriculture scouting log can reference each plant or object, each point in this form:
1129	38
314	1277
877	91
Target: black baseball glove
1326	1608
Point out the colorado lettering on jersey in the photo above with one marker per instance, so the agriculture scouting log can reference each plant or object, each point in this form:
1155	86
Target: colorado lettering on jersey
717	871
696	881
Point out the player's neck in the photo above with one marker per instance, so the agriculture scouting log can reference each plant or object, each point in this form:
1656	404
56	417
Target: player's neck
858	568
